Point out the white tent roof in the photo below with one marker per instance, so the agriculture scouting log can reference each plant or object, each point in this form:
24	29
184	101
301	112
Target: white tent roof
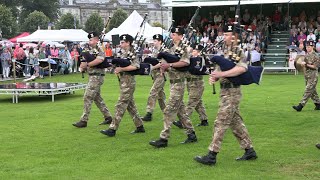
235	2
132	25
56	35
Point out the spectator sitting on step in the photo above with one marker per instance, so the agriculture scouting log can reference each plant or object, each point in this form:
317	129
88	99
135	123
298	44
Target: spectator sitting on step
311	37
317	33
294	39
302	37
318	46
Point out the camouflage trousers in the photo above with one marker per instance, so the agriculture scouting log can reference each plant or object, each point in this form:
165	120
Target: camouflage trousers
91	94
229	116
311	89
195	91
126	102
156	92
172	107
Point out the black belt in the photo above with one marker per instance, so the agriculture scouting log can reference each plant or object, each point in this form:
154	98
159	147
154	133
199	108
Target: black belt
125	73
228	85
172	81
96	74
194	79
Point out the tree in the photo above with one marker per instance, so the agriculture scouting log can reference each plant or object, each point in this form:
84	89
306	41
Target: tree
34	20
8	24
13	5
49	7
67	21
117	19
157	24
94	23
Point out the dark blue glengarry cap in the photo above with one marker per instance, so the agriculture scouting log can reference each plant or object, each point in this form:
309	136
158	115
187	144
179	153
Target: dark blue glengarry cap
178	30
310	43
158	37
228	28
126	37
93	34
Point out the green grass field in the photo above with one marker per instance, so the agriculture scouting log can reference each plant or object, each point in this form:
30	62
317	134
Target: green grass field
39	142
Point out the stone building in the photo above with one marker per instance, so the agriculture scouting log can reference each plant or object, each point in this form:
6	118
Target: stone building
82	9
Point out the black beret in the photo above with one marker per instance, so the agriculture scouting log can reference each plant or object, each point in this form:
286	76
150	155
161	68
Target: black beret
93	34
126	37
198	47
228	28
310	43
158	37
178	30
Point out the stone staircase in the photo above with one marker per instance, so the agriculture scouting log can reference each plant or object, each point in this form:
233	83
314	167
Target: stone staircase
276	56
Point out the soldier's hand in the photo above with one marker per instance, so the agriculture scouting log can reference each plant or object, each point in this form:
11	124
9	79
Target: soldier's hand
118	70
164	66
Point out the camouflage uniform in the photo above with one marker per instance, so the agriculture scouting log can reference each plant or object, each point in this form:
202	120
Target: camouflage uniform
311	79
92	93
195	87
177	84
229	114
156	91
126	99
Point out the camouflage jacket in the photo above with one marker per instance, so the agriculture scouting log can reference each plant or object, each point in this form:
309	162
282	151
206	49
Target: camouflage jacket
99	53
312	58
241	62
126	54
172	72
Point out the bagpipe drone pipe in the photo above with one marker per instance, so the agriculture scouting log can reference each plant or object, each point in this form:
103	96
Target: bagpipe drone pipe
145	68
252	75
87	57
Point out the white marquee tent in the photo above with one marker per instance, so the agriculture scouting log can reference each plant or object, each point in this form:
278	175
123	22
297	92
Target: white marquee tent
132	25
74	35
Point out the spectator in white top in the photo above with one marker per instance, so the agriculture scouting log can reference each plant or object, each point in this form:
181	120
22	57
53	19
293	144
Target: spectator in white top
255	56
217	18
219	37
302	25
204	39
311	37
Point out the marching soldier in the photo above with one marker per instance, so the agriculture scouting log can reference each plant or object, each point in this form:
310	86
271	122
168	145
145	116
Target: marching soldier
228	113
156	91
96	79
177	79
127	88
195	87
312	63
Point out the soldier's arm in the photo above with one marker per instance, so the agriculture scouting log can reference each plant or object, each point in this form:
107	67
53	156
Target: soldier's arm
184	60
99	59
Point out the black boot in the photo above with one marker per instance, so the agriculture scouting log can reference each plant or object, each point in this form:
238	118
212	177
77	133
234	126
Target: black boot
191	138
139	129
318	146
203	123
109	132
178	124
80	124
107	120
298	108
147	117
317	106
249	154
209	159
159	143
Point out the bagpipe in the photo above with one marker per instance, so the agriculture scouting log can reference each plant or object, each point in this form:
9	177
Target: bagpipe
145	68
253	73
88	56
183	44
